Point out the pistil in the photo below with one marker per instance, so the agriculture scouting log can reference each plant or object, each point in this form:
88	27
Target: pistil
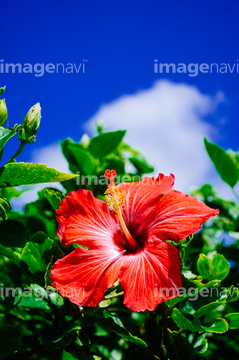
116	202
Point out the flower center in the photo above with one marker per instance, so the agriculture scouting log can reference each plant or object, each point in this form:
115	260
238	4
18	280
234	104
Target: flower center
116	201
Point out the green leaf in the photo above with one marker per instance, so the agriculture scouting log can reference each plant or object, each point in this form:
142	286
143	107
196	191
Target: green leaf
79	158
233	294
216	268
41	216
105	303
34	255
54	197
219	326
200	345
225	164
33	297
16	174
55	298
141	164
67	356
209	301
5	135
106	143
114	324
10	254
32	302
206	191
188	274
192	284
113	162
13	234
211	238
2	89
53	339
207	308
11	192
86	163
10	343
233	319
184	323
73	163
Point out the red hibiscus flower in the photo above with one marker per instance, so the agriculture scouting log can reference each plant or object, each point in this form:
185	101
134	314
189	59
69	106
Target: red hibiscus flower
125	238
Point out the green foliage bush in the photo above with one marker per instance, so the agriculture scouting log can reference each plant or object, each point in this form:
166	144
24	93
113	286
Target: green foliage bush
48	326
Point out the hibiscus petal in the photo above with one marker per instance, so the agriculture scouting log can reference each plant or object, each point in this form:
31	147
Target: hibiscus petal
150	276
86	220
84	275
142	195
177	216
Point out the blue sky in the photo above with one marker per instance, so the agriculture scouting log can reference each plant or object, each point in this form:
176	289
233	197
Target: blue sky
119	40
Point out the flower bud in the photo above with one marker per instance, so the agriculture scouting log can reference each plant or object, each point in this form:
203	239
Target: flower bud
2	89
100	126
31	124
85	140
3	112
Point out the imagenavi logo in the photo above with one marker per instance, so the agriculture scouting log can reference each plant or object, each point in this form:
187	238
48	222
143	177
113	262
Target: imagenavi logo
193	69
40	69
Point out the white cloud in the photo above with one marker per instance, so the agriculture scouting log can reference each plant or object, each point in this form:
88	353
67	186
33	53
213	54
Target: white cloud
166	123
52	156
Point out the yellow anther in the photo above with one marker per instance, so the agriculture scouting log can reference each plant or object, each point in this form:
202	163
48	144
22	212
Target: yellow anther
116	201
115	198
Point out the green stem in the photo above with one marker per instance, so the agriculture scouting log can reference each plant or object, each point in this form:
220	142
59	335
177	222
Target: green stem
114	295
18	152
169	345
